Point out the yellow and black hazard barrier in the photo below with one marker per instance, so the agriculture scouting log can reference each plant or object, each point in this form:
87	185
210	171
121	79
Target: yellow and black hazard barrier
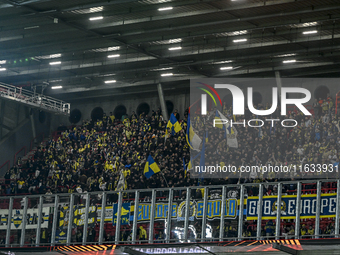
80	248
286	241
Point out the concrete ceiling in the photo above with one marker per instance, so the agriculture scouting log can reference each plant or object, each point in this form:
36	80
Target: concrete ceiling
253	37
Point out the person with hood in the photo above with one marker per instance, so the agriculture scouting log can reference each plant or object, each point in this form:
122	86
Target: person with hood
142	233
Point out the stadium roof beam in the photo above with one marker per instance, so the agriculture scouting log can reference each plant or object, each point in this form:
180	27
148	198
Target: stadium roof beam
221	22
176	15
312	53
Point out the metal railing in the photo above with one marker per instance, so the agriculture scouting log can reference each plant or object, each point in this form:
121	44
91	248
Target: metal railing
7	163
181	216
17	153
34	99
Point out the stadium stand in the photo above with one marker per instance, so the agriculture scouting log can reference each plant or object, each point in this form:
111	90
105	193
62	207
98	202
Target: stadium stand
91	157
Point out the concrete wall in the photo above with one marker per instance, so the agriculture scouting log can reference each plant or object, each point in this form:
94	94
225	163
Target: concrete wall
131	103
181	101
22	135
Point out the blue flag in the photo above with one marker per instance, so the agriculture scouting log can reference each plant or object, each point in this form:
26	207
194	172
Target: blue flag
192	139
150	168
173	125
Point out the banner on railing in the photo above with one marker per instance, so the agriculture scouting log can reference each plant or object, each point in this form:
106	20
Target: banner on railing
124	214
108	213
61	237
161	211
195	212
31	218
288	207
78	216
214	209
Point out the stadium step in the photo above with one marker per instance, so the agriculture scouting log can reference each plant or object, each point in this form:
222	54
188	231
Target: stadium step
34	149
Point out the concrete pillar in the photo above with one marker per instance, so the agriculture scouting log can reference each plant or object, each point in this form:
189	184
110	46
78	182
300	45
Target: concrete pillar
162	101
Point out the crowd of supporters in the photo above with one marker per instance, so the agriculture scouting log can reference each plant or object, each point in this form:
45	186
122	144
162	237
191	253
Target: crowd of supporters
91	156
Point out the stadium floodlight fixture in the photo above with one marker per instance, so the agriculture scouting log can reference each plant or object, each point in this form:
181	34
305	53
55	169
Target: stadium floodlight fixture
167	74
2	69
240	40
114	56
56	87
289	61
96	18
165	8
175	48
32	27
310	32
226	68
55	63
110	81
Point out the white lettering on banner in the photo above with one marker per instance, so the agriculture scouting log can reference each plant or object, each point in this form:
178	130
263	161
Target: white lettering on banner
288	206
314	206
174	250
291	206
31	218
324	204
253	207
267	206
332	205
306	206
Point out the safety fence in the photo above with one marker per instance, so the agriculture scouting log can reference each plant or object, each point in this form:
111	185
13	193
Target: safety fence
174	215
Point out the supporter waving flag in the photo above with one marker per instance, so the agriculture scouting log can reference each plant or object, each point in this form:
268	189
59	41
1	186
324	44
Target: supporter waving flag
122	185
150	168
187	167
192	139
230	131
219	123
173	125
